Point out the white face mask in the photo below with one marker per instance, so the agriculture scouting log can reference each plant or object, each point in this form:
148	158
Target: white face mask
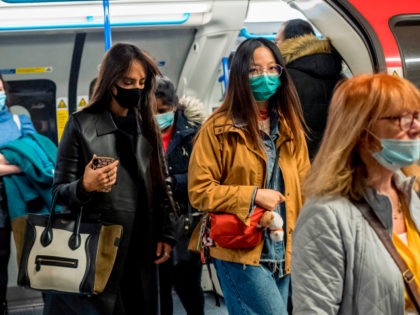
3	97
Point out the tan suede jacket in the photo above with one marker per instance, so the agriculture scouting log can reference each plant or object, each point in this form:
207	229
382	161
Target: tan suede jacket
224	170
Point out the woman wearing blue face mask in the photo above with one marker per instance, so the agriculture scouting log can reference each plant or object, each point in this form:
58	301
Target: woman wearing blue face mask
252	152
179	121
11	128
339	265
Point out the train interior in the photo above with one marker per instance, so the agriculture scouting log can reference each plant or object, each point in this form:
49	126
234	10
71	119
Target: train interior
51	51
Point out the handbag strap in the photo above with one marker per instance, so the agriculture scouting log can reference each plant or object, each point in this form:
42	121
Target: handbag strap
75	239
383	235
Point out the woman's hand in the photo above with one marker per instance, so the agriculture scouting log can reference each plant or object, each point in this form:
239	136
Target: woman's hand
163	251
6	168
101	179
3	159
268	199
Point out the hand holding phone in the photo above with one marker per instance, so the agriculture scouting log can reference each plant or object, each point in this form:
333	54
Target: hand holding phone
100	174
101	161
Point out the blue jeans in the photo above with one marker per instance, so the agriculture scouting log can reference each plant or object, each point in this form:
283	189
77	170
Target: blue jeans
252	289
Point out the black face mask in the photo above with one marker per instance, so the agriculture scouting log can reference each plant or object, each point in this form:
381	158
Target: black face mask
128	98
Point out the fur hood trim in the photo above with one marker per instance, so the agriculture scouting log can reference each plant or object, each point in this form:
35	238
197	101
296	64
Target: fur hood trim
193	109
294	48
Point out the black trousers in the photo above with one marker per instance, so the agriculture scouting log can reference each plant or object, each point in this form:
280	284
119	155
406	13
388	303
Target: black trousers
185	277
5	231
4	261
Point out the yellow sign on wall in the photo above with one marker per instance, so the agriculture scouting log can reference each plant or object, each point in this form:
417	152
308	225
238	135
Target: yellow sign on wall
27	70
33	70
82	101
62	113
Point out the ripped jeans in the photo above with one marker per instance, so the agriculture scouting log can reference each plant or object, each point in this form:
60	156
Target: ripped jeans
252	290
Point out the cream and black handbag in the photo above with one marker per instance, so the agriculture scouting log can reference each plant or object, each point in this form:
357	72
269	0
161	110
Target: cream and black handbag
64	253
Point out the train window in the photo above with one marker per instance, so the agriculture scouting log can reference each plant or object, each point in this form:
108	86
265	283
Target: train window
404	32
38	97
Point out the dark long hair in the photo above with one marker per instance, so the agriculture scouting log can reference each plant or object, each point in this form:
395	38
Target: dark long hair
115	65
241	105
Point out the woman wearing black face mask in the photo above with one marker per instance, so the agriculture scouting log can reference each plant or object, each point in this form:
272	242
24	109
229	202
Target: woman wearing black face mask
119	123
127	98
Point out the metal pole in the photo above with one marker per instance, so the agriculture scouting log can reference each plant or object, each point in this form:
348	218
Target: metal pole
107	25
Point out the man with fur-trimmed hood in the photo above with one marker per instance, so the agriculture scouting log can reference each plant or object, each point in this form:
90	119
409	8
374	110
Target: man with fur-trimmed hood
315	68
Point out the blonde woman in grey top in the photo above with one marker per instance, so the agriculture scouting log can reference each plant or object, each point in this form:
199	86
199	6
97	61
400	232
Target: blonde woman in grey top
339	265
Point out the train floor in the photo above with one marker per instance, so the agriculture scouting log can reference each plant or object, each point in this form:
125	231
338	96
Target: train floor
29	302
23	301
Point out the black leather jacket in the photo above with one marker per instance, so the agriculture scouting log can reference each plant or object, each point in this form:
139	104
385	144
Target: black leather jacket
134	202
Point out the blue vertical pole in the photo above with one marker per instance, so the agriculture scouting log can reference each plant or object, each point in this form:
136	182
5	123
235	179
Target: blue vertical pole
107	25
225	68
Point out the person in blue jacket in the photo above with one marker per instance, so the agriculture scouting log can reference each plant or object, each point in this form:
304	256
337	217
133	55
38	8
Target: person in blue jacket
12	127
179	121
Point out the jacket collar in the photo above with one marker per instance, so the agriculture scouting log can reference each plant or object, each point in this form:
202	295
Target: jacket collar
223	124
105	124
5	115
235	122
297	47
381	204
182	124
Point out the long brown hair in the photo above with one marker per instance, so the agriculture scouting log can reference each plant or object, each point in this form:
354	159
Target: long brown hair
240	104
355	107
115	65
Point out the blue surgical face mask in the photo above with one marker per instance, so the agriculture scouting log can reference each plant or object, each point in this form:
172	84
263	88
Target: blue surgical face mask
264	86
396	154
165	120
3	97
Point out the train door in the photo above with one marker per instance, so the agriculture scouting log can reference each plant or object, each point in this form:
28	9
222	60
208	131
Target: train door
370	37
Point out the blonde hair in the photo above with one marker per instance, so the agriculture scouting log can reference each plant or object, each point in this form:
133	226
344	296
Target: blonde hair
356	105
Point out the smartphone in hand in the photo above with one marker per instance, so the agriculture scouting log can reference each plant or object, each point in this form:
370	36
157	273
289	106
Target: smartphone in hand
101	161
